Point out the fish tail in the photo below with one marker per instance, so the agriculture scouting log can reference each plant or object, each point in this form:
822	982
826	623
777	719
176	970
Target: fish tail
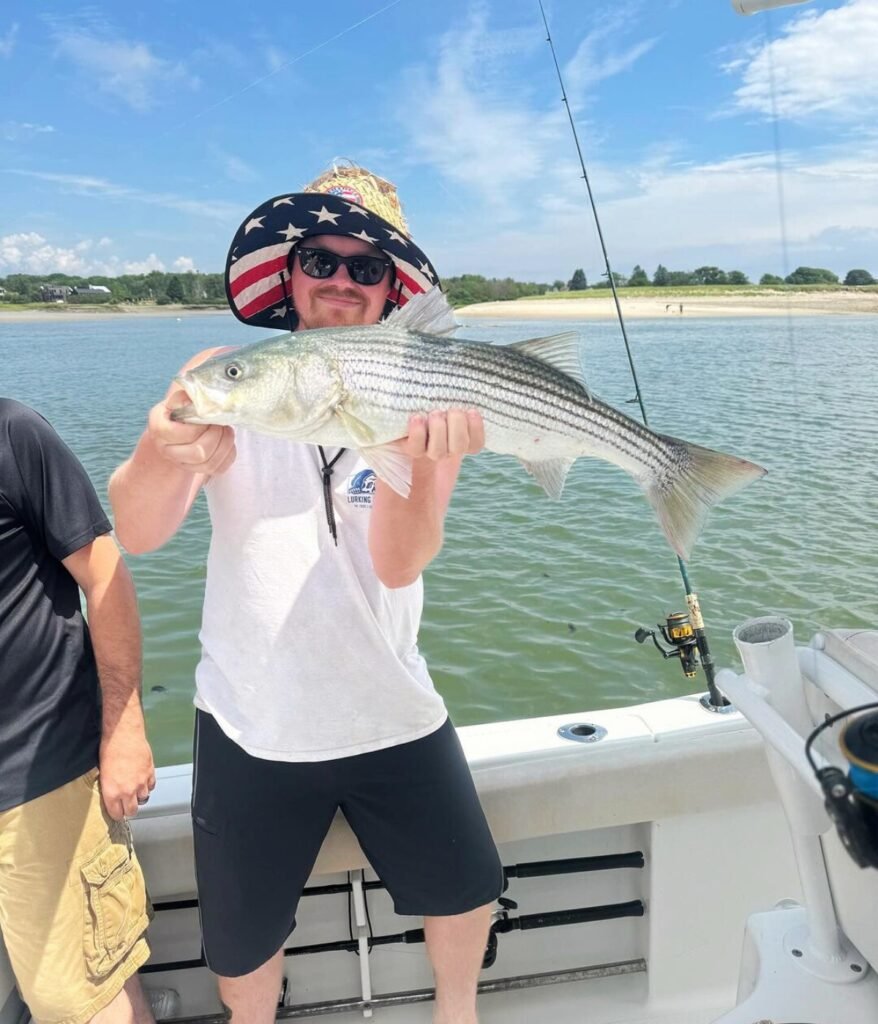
699	479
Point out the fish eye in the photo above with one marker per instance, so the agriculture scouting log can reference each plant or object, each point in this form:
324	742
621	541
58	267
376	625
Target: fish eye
234	371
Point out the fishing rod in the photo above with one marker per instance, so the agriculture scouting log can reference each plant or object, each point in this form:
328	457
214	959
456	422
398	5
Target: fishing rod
684	632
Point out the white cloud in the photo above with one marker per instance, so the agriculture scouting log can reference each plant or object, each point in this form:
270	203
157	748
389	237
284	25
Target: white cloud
83	184
152	262
822	64
29	252
127	71
601	54
7	40
687	215
729	208
478	123
184	264
21	131
470	130
513	192
234	168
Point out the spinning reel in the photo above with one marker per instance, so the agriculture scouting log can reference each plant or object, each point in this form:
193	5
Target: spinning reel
851	798
678	632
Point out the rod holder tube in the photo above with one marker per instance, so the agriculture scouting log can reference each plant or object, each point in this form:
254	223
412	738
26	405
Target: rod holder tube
768	723
768	651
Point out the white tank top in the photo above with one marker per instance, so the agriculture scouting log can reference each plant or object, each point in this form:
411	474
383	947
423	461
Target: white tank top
306	655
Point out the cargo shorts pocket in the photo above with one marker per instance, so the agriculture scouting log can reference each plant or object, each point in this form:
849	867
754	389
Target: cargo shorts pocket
116	912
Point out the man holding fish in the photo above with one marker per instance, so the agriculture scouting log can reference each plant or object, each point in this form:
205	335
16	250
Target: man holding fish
312	695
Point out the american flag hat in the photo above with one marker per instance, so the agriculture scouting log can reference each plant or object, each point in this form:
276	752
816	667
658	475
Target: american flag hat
345	200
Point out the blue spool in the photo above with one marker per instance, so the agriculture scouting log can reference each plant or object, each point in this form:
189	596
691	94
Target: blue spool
859	744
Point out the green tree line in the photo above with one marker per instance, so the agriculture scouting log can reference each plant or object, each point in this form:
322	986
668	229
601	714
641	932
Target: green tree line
470	288
664	278
191	288
194	288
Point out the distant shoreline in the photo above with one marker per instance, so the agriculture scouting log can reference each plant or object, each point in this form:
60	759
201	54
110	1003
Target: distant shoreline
848	302
665	306
69	311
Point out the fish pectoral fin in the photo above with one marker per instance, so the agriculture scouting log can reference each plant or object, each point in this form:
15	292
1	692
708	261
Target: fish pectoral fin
563	351
361	432
550	474
428	312
391	466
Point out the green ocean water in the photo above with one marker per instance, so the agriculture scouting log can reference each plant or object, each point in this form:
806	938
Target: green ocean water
532	605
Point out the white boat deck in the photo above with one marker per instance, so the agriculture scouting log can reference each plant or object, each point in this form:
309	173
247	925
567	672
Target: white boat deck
687	788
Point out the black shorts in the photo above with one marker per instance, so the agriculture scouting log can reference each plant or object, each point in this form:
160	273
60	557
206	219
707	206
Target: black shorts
259	825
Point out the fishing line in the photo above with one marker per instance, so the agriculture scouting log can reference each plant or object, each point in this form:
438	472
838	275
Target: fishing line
715	700
125	193
597	221
782	216
286	64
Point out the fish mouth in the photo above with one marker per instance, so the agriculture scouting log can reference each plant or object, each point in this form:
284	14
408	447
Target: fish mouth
185	414
200	408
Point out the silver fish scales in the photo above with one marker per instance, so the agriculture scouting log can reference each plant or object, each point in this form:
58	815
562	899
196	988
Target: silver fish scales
358	386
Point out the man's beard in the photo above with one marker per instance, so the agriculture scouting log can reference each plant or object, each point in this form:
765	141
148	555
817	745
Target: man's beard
323	315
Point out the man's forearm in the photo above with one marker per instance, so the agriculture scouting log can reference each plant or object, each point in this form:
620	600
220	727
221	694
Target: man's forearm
150	497
405	534
114	625
126	765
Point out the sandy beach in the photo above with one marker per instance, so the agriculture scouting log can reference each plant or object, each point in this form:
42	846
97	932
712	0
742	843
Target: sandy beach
846	302
71	313
849	302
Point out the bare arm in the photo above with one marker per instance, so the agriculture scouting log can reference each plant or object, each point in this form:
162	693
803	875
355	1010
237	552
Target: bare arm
152	491
126	767
405	534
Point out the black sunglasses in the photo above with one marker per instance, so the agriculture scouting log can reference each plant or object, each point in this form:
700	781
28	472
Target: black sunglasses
321	263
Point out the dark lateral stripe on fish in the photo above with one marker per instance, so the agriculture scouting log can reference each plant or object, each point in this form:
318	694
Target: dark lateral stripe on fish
513	366
537	409
508	369
564	392
640	447
581	418
410	370
594	420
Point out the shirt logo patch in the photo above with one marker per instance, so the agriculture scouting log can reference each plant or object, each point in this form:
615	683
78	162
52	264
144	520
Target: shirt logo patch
361	487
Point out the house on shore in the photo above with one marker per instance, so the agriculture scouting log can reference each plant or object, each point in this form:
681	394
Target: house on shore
91	289
54	292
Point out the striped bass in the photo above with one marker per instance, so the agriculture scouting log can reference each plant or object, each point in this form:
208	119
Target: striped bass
356	387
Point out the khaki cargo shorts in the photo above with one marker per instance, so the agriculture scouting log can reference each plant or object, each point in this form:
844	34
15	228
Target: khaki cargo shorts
73	905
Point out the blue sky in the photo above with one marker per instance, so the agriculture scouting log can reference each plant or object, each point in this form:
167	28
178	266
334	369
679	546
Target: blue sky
137	137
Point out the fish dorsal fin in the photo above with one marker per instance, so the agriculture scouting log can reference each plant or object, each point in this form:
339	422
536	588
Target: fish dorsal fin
428	312
559	350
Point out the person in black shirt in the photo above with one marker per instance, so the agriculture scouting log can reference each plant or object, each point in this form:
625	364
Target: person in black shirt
74	758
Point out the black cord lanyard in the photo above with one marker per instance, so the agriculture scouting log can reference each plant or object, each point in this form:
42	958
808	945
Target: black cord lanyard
326	472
